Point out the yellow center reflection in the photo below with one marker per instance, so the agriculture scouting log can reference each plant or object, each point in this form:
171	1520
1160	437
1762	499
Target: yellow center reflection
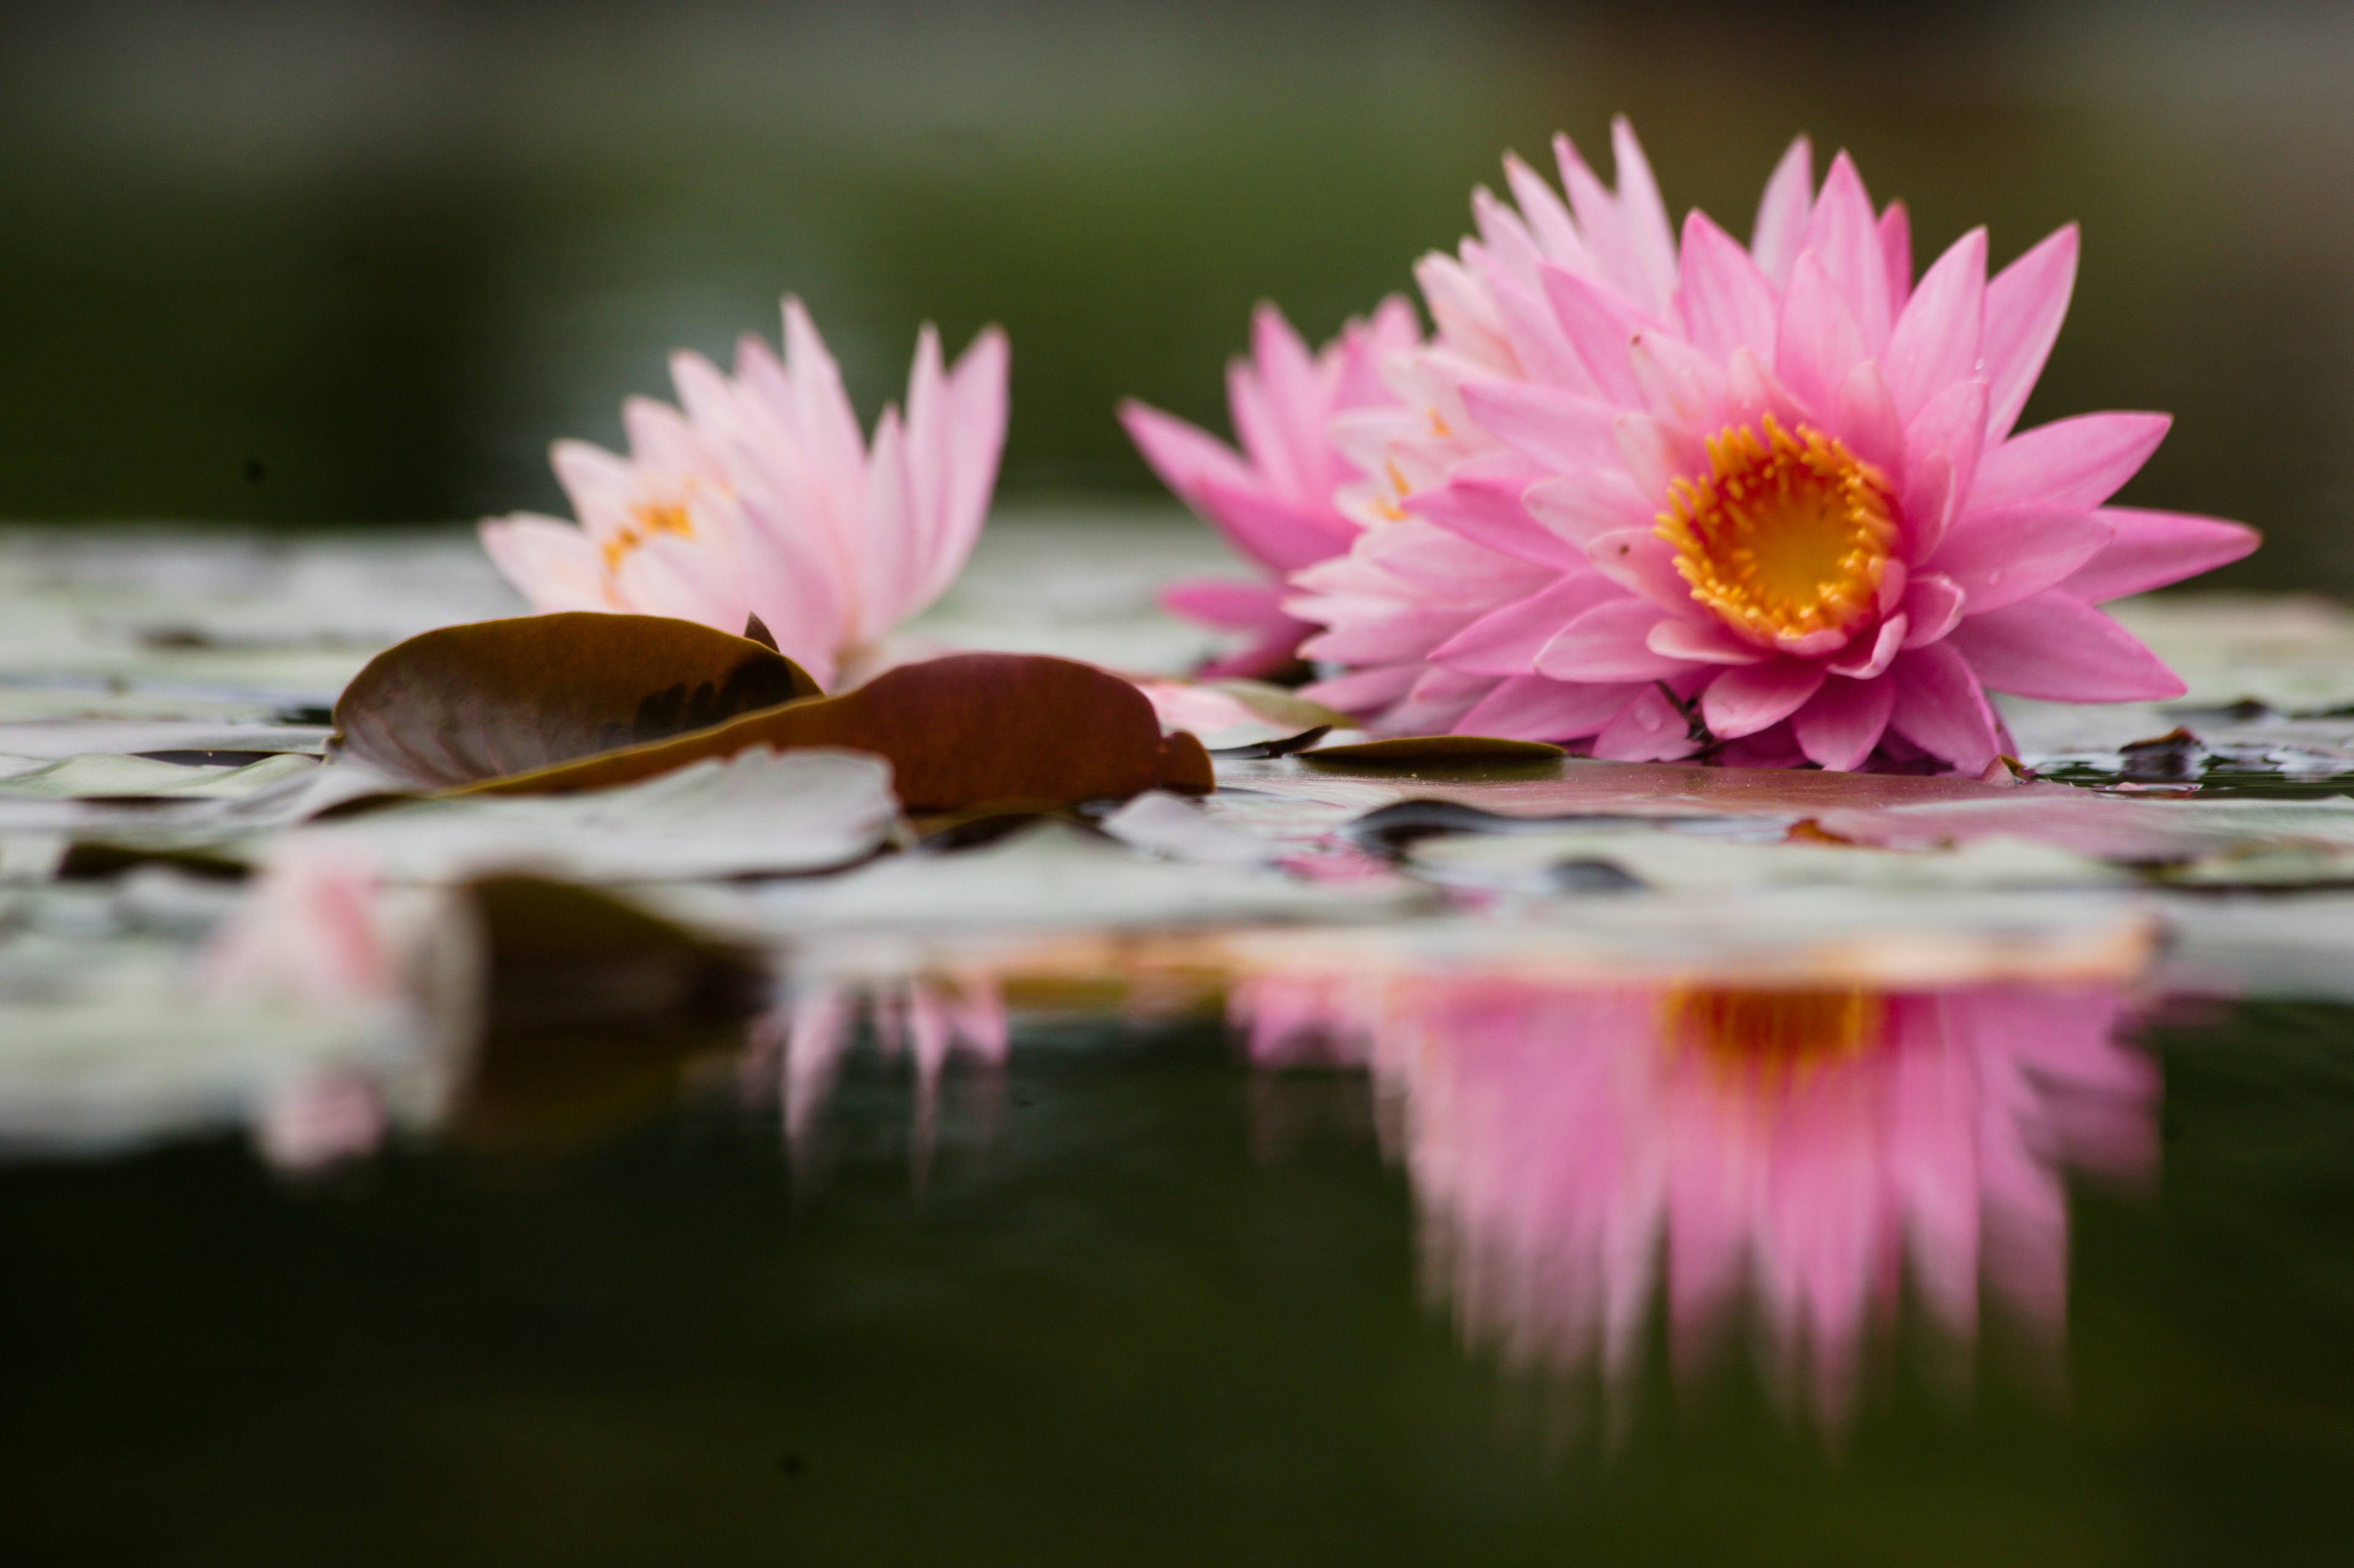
1775	1034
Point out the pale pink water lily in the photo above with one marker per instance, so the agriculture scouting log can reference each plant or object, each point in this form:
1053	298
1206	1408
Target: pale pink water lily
1768	496
761	498
1275	498
1795	1147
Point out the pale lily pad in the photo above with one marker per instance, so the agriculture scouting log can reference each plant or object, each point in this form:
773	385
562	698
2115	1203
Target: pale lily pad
1546	863
102	776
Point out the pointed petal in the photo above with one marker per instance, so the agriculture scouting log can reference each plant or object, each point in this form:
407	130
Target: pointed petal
1817	342
1845	237
1607	644
1868	661
1655	453
1548	220
1280	536
1941	459
2060	649
1866	420
553	565
1940	708
1650	238
1677	381
1727	303
1487	511
2012	553
1557	431
1936	341
1642	563
2024	307
1530	707
1506	641
1837	728
2078	461
1227	603
1896	250
1747	699
1782	213
1702	642
1583	508
1650	728
2152	549
1598	325
1363	691
1933	607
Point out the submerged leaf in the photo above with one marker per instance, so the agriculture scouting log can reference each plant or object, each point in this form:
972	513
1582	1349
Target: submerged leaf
967	730
468	703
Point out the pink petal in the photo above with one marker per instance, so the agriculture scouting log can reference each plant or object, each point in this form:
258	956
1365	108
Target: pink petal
2152	549
1896	250
553	565
1656	451
1727	303
1941	459
2062	650
1487	511
1408	633
1676	380
1599	325
2012	553
1530	707
1868	661
1940	708
2077	461
2024	306
1933	606
1607	644
976	414
1642	563
1536	340
1584	508
1865	419
1702	642
1552	429
1506	641
1650	728
1548	220
1817	342
1650	238
1363	691
1845	237
1782	212
1224	602
1840	725
1936	341
1436	704
1278	535
1746	699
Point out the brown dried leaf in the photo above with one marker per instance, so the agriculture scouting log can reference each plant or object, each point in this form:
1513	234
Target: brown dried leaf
968	731
463	704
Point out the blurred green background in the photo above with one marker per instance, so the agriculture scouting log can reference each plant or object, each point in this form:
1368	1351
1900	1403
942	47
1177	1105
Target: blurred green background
352	260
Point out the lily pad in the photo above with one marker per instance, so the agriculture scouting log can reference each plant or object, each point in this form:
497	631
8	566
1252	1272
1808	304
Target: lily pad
1437	749
469	703
970	729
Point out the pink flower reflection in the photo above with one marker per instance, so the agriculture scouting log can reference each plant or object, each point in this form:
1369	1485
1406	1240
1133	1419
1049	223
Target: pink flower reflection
1797	1143
799	1048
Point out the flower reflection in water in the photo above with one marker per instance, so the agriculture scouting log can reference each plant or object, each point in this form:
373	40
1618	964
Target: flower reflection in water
1798	1143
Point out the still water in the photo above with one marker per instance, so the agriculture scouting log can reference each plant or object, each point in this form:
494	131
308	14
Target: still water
1501	1272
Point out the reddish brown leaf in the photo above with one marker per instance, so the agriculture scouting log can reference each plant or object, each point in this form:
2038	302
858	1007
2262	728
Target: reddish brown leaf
967	730
463	704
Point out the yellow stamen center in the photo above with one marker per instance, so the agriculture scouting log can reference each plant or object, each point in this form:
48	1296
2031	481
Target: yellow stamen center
1785	535
652	517
1776	1034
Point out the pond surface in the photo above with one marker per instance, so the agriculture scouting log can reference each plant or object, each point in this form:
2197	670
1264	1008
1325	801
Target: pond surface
1531	1162
1141	1303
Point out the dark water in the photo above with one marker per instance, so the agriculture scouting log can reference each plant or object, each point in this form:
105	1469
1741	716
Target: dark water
1144	1304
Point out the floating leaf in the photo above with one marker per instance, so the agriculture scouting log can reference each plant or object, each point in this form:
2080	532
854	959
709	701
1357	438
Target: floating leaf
967	730
468	703
1435	748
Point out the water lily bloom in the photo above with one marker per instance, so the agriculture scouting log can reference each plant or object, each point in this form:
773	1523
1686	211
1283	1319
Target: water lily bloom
762	499
1275	500
1568	1145
1763	504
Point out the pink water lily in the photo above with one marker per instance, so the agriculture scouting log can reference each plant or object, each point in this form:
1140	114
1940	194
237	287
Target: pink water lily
1569	1145
1764	504
762	499
1275	500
